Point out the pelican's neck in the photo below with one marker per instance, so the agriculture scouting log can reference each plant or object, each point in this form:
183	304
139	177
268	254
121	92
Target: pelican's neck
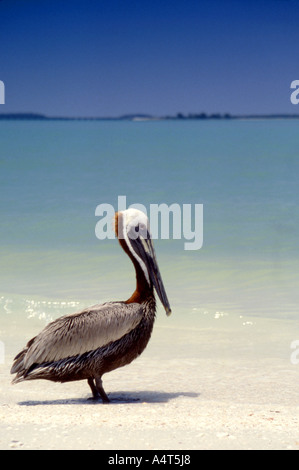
143	290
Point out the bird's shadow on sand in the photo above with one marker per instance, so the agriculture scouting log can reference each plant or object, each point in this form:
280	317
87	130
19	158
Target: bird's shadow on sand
116	398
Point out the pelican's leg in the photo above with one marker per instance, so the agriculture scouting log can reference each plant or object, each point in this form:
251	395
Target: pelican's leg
95	393
101	391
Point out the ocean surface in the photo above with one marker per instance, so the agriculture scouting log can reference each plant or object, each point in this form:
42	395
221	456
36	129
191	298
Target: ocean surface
54	174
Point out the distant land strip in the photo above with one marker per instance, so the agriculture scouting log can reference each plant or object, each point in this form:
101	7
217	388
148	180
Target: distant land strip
145	117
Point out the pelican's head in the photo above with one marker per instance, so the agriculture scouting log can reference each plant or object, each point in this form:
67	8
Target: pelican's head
132	226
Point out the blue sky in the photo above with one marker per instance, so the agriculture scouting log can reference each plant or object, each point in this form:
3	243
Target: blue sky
115	57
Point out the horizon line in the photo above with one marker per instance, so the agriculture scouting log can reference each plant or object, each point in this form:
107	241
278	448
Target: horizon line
146	117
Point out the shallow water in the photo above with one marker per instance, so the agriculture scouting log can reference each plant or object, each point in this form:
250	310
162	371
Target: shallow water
53	175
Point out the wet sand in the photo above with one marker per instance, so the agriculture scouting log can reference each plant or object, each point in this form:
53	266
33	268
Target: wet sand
226	385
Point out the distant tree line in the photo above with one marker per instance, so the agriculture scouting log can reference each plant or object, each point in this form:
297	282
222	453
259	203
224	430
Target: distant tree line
132	117
201	116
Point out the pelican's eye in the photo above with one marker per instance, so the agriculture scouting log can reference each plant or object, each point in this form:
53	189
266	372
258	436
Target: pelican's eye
142	228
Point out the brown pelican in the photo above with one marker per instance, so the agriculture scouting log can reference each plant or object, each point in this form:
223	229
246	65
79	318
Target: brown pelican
101	338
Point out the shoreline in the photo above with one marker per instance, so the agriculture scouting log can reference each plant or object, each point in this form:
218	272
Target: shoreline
204	389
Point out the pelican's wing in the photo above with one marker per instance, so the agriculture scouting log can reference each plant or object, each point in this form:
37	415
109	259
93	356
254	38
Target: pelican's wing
78	333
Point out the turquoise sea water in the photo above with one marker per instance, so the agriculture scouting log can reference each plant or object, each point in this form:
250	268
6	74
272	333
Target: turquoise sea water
53	175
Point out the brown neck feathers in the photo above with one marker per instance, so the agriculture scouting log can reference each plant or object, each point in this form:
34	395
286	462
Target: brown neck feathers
143	290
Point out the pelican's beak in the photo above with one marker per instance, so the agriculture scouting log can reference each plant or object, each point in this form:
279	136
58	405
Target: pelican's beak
147	253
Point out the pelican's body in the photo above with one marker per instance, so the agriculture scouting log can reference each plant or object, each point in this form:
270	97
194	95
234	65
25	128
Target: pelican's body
104	337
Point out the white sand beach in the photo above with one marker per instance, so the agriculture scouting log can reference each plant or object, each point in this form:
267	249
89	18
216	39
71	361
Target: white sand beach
232	386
